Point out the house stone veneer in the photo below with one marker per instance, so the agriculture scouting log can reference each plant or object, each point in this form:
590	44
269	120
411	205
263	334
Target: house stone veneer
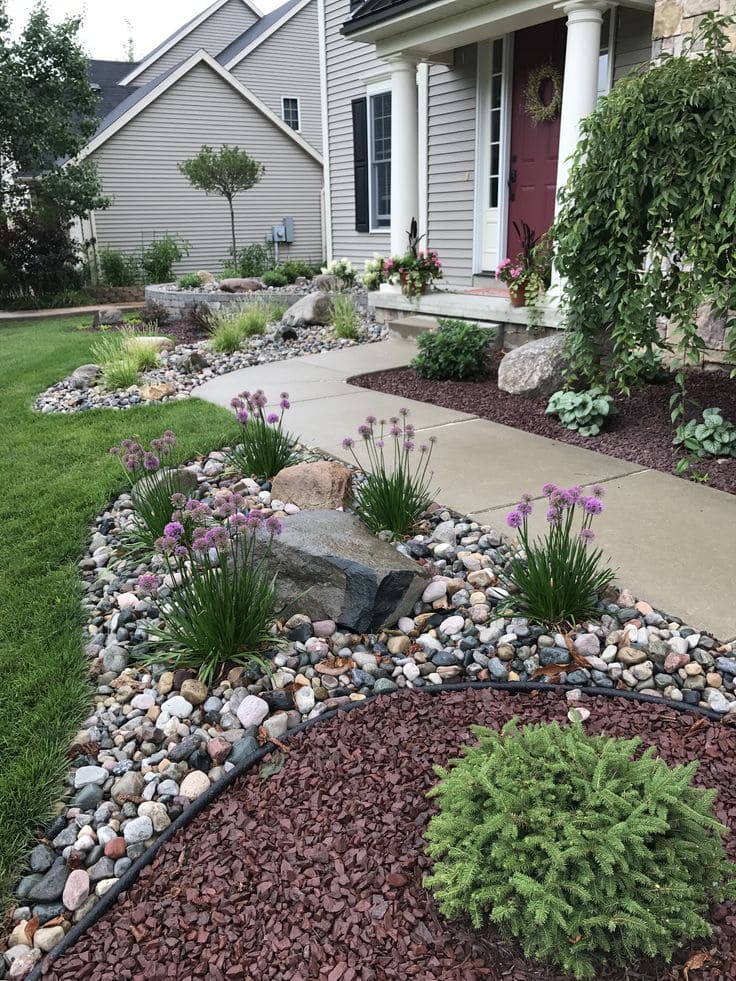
674	20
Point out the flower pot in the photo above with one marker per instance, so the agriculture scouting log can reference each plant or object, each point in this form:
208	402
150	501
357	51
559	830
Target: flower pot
518	297
408	288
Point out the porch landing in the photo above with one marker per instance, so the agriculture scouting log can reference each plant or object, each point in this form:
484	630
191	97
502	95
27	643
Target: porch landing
668	540
485	305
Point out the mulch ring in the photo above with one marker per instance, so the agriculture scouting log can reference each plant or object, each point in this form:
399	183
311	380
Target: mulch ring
640	432
314	871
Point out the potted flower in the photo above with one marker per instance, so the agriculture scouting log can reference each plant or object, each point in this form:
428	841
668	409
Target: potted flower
528	275
416	271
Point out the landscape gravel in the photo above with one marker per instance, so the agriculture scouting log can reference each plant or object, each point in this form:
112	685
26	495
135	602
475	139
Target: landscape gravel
157	739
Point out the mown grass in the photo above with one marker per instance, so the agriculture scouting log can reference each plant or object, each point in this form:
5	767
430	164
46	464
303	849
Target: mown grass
56	475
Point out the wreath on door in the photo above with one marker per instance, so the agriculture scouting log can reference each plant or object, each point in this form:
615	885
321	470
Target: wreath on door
540	111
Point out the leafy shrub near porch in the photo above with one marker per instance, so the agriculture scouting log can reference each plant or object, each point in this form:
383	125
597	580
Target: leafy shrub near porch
584	412
636	240
456	350
571	846
714	436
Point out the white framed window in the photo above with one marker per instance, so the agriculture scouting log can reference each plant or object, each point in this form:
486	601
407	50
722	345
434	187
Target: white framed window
379	159
290	112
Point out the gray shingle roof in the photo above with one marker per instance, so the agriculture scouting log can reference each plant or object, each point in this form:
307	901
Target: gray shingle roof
134	96
104	76
255	31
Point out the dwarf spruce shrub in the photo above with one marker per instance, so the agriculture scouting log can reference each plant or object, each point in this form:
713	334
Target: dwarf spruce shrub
575	849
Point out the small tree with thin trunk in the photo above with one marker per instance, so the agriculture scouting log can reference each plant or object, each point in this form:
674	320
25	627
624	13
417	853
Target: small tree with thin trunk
227	172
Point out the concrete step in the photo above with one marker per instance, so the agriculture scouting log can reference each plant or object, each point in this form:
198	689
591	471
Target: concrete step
409	328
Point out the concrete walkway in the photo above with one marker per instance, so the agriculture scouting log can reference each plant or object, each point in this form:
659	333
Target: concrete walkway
6	316
670	541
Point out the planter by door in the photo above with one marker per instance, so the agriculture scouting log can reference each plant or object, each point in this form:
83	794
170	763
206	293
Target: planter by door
518	299
534	146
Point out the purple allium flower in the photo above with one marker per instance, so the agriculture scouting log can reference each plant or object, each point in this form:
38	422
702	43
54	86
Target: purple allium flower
236	402
127	444
131	462
587	535
169	438
394	420
598	491
245	395
284	395
254	519
348	443
380	444
364	430
174	529
151	461
166	544
158	445
524	508
259	399
515	519
423	448
553	516
408	445
404	412
409	429
574	493
199	542
272	418
371	420
274	525
549	489
592	505
217	536
114	450
238	520
527	498
147	583
178	500
432	439
395	432
284	404
242	416
181	551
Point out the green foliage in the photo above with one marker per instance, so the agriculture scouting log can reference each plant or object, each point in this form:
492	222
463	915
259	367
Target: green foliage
648	367
37	259
256	259
558	577
155	314
142	352
189	281
455	350
229	328
634	243
344	317
121	374
264	447
571	846
584	412
395	490
122	361
160	255
226	335
274	277
227	172
343	269
119	268
229	272
294	268
714	436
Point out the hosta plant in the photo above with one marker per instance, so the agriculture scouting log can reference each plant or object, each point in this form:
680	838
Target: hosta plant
559	577
714	436
586	853
263	447
395	491
584	412
219	607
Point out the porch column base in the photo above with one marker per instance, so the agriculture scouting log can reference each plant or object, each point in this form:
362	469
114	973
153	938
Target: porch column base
404	151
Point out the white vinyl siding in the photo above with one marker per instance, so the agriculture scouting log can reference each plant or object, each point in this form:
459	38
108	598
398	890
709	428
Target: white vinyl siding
290	112
350	66
219	30
287	63
138	168
633	40
451	164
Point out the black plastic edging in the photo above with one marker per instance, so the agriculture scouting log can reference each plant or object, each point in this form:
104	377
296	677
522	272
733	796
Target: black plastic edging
129	878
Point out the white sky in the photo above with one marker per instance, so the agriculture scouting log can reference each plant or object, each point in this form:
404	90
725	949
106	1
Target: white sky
105	33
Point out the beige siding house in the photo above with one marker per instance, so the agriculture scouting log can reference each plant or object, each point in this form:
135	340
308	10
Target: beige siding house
425	117
229	76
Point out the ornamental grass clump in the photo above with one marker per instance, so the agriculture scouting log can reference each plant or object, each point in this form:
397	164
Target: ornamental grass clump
219	608
396	489
570	845
264	447
154	477
344	317
559	578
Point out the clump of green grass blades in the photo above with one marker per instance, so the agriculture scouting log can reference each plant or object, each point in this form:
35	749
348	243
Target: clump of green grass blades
229	328
263	447
344	317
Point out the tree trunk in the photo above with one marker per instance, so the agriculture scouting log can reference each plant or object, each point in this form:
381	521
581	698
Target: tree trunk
232	230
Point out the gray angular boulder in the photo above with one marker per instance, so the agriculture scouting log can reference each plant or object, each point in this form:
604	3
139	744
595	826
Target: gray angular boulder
85	376
241	285
314	308
330	566
534	369
107	316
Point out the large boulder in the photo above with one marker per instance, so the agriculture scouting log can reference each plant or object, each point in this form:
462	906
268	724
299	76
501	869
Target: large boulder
314	308
85	376
150	340
324	484
182	480
326	283
534	369
329	565
240	285
107	317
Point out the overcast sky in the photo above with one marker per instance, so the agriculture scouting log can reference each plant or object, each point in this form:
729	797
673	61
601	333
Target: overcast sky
105	32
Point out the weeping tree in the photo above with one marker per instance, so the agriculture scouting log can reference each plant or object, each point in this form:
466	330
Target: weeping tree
227	172
647	225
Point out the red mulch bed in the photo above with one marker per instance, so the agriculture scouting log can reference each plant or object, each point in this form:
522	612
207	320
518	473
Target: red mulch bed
641	432
182	331
315	873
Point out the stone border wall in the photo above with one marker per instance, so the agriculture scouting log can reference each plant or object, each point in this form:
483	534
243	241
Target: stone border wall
178	302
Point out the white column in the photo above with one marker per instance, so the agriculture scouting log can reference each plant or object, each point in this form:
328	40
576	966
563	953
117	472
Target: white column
580	81
404	151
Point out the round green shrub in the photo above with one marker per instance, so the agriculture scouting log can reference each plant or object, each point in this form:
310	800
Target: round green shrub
574	848
274	277
456	350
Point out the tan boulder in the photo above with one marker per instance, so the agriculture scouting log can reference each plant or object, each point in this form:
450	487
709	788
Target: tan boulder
324	484
240	285
157	391
205	277
150	340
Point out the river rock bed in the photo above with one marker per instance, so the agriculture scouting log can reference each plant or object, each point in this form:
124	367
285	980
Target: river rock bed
158	739
189	365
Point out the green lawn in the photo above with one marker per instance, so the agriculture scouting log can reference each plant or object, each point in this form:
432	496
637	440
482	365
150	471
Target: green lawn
56	475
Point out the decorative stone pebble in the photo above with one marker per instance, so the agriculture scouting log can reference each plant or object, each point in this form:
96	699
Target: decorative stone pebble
304	699
194	691
76	889
86	775
178	707
194	785
252	711
139	829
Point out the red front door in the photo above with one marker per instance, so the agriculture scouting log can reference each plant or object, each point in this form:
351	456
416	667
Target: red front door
534	146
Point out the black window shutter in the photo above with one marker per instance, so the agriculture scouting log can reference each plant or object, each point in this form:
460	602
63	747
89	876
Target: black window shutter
360	164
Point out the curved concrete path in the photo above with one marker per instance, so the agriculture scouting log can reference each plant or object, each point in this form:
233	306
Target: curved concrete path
670	541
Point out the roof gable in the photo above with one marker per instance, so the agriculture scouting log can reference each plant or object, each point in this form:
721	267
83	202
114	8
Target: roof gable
259	32
180	34
144	95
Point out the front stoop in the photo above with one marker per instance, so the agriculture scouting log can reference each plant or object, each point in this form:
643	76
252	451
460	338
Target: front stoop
409	328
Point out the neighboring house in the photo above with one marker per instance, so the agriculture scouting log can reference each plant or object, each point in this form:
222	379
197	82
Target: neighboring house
231	75
425	116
